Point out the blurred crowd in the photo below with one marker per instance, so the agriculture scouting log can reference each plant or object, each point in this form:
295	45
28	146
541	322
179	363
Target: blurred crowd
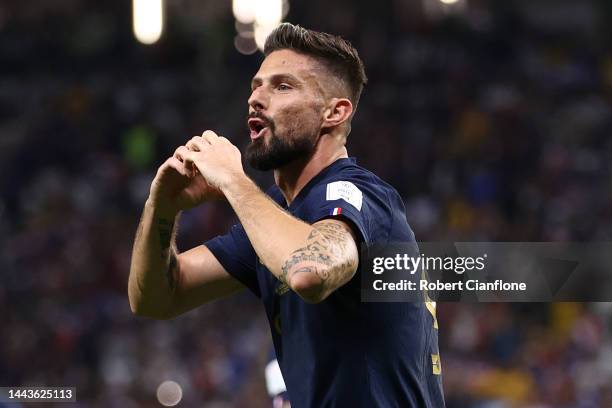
491	120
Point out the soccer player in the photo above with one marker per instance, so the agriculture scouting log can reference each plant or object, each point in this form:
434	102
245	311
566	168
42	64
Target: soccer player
296	246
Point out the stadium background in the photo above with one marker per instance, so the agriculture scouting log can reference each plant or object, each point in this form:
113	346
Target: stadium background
492	119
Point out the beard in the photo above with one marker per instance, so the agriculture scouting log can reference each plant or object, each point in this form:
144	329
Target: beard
297	143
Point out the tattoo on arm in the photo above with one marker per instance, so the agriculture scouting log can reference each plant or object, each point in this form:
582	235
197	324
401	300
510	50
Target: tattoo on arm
306	254
324	255
166	230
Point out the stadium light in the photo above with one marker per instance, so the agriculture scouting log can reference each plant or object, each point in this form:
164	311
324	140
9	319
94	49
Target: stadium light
269	12
439	9
244	10
148	20
268	15
255	21
262	32
245	43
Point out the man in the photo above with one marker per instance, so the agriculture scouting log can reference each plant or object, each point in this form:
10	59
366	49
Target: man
296	248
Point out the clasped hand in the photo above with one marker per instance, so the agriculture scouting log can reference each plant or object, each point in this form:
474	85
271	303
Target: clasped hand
214	157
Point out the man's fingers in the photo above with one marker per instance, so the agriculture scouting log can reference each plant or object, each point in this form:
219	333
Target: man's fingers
177	165
210	136
180	152
186	155
189	159
199	143
196	144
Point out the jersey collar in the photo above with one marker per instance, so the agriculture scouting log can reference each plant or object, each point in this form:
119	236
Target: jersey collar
335	166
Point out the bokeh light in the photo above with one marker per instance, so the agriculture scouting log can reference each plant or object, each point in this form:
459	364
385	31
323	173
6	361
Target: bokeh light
148	20
169	393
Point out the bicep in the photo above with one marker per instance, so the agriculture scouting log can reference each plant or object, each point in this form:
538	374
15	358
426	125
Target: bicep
341	242
328	260
200	279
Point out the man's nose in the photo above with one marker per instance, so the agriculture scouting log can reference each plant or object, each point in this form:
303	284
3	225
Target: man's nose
258	99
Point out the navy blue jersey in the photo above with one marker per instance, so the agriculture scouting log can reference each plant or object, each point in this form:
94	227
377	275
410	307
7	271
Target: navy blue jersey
342	352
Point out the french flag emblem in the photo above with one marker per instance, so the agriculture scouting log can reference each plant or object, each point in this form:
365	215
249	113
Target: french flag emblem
335	211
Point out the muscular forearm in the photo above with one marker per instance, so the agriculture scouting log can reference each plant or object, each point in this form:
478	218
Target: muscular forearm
273	232
312	260
153	271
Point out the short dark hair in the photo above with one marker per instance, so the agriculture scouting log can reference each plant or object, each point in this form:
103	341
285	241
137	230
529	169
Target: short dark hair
334	52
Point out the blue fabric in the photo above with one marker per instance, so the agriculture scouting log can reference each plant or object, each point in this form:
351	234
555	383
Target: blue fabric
342	352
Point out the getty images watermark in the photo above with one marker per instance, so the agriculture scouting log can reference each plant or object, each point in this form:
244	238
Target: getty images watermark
422	264
486	271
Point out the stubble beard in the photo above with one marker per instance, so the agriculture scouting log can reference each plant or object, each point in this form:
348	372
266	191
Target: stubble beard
298	142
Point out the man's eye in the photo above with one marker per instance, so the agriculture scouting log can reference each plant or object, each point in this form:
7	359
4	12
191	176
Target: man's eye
283	87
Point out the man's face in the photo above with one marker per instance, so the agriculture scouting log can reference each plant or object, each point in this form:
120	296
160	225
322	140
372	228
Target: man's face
285	110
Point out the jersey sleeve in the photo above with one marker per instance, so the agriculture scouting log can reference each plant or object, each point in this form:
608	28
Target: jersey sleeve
346	199
235	252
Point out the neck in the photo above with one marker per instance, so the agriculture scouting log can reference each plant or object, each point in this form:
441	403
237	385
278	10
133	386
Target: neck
295	175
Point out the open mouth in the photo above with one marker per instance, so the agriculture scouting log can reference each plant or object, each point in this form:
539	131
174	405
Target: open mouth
257	127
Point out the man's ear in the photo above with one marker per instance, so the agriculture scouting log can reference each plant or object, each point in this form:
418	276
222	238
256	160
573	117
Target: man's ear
338	111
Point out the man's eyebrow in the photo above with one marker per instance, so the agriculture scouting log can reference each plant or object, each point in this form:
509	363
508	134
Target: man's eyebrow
276	78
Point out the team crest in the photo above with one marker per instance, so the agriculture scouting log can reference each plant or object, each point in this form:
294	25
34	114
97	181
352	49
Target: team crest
344	190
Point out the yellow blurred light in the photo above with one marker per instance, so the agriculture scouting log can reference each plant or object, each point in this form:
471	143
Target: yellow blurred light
269	12
257	18
148	20
449	1
262	32
244	10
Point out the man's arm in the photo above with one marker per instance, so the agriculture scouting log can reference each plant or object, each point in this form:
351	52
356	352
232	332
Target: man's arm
327	261
164	283
313	260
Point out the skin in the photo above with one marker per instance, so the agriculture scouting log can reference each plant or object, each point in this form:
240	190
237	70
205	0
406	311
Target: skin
313	260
